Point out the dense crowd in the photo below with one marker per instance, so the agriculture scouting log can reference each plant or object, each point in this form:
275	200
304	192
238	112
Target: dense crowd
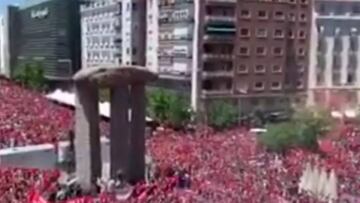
16	184
27	117
223	167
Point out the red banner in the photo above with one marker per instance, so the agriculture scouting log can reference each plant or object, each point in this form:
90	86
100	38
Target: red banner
35	197
80	200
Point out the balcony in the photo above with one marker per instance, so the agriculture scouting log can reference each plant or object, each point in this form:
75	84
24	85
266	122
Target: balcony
218	38
218	73
225	19
220	1
217	92
221	29
218	56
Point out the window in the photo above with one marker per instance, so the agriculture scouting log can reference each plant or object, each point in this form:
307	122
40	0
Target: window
291	34
261	32
339	9
302	34
259	68
245	14
352	61
350	78
244	51
278	33
292	17
336	78
279	15
276	69
304	2
278	51
301	68
244	32
322	9
242	68
276	85
338	44
301	52
302	17
355	9
299	84
259	85
353	43
260	51
262	14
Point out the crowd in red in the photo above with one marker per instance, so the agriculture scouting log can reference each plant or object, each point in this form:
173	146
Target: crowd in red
27	117
224	167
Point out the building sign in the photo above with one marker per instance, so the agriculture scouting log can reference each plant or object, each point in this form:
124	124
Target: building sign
40	13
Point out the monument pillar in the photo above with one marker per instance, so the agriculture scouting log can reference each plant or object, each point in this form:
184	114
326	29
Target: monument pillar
119	129
87	134
127	132
137	141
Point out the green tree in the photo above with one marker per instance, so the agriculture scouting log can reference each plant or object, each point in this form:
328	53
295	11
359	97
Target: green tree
169	108
318	120
302	131
31	75
279	137
179	113
159	102
222	115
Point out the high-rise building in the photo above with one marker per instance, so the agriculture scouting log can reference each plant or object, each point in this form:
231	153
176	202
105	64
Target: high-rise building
334	73
113	32
46	32
253	53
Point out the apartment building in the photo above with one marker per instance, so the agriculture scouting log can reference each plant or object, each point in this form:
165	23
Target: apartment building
113	32
334	73
253	53
272	44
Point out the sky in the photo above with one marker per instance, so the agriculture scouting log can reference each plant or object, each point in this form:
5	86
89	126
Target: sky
4	3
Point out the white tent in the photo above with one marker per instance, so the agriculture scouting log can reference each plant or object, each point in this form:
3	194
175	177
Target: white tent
331	187
304	180
313	181
323	180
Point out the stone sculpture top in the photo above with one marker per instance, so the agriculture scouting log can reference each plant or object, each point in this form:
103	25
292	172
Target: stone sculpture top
110	76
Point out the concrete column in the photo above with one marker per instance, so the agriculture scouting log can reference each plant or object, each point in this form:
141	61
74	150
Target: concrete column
327	97
137	146
358	64
329	61
119	130
314	43
87	134
345	58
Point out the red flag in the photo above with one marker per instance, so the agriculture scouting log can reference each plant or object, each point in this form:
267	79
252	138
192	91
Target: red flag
81	200
35	197
326	146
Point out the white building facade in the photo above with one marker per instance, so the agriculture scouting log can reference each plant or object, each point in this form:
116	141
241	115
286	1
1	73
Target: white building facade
152	35
172	47
3	49
109	33
334	72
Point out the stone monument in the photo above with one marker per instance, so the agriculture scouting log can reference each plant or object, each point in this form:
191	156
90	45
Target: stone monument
127	122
